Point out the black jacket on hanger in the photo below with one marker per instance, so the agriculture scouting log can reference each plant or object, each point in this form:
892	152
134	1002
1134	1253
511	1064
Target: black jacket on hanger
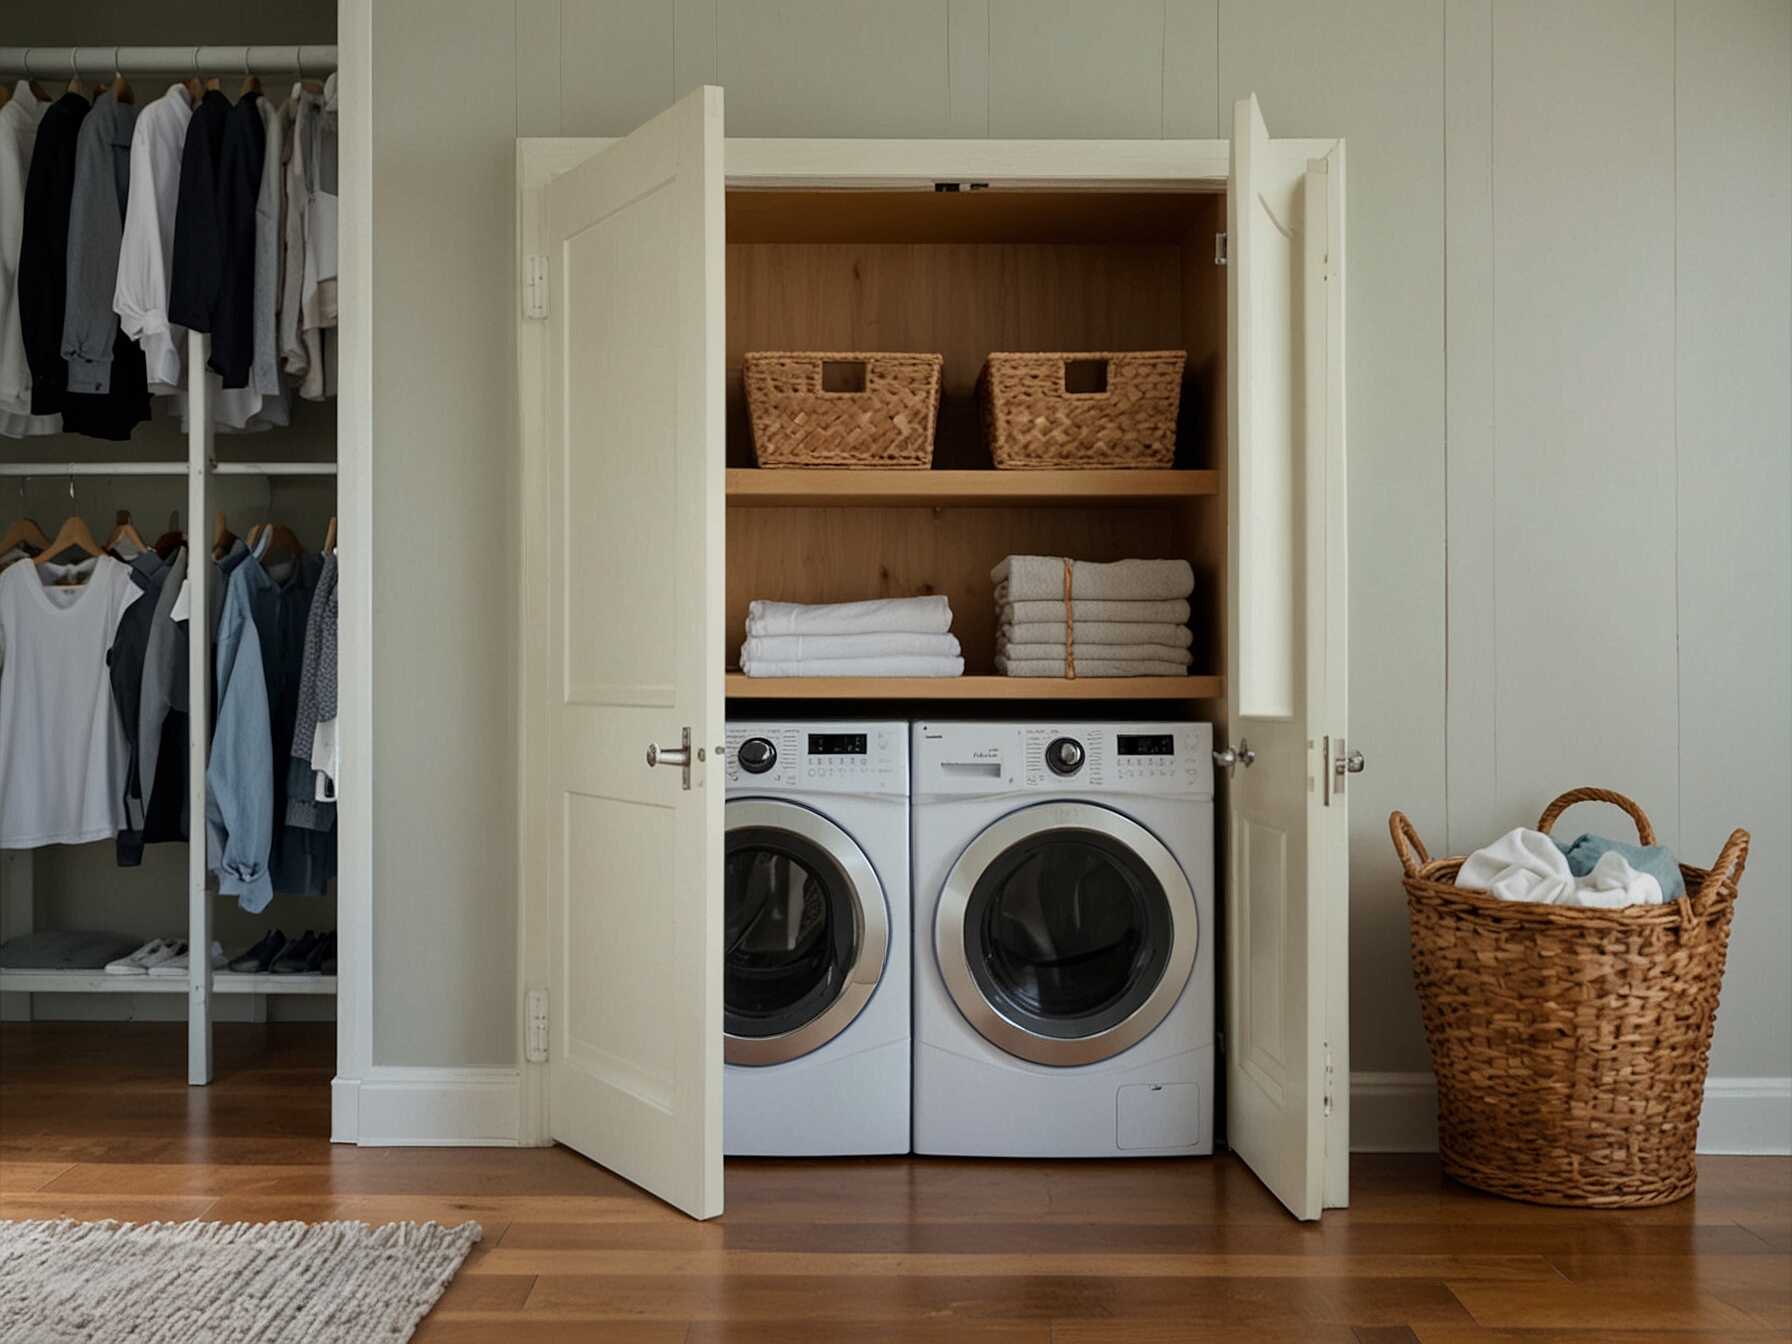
43	250
197	268
239	187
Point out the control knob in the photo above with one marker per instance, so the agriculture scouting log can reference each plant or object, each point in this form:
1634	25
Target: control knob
756	755
1064	756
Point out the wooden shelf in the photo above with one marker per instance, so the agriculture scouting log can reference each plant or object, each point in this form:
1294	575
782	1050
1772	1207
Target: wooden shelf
758	487
970	688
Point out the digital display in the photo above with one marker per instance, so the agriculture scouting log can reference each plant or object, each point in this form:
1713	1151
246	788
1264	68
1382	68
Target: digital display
836	744
1147	744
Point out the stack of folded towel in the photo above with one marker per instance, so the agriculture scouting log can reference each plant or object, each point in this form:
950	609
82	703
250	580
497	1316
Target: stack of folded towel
1075	618
885	637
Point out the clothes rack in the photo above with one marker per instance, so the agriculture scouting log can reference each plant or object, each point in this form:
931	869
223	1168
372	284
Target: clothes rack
68	62
17	897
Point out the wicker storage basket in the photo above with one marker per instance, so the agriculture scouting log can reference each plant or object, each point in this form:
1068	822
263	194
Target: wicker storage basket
1569	1044
1036	413
885	420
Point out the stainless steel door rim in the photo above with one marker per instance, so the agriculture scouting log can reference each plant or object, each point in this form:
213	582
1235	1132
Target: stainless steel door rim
950	933
871	929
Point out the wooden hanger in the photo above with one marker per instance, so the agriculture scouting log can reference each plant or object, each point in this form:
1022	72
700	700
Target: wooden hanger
329	539
38	91
283	543
195	89
222	538
122	91
122	528
251	84
73	536
26	532
5	95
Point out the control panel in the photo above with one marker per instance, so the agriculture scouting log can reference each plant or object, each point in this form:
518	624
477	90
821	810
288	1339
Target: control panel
819	757
960	758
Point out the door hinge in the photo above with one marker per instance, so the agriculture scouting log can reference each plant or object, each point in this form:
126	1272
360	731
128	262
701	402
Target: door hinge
535	1041
535	287
1329	1079
1221	249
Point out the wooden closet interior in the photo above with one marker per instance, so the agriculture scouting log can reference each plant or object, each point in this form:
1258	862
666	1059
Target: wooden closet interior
962	273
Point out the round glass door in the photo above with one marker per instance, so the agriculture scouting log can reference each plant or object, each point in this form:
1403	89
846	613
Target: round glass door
804	931
1065	933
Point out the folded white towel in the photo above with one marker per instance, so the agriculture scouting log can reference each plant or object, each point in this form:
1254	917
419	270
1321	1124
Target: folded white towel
800	648
1041	577
1151	653
878	616
857	667
1089	667
1098	632
1172	611
1526	865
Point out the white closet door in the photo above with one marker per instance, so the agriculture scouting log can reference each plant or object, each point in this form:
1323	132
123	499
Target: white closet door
635	452
1287	869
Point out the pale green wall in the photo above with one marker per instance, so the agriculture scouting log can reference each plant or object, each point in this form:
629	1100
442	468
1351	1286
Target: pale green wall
1569	487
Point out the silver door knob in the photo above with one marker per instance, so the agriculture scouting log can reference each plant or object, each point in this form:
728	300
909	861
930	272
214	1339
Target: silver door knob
1239	755
1351	763
679	756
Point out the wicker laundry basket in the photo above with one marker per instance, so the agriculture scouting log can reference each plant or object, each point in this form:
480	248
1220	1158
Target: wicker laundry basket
1095	409
842	410
1569	1044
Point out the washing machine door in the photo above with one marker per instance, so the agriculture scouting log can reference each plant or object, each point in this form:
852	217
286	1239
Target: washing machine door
1065	933
806	930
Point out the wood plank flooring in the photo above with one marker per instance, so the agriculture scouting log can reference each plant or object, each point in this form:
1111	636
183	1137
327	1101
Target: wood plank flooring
95	1122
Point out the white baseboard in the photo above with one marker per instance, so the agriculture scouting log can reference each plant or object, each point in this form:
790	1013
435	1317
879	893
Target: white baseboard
1397	1113
428	1108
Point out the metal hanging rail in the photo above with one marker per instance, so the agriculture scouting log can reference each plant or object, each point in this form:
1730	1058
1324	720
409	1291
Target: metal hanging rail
273	468
202	62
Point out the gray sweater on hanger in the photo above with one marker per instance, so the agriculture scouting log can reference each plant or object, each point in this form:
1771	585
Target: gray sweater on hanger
95	233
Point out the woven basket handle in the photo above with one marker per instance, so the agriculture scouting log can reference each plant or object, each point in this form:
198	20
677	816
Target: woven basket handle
1727	871
1411	849
1645	833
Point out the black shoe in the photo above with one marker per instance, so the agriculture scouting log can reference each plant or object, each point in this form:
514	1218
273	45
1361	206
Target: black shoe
257	959
293	956
321	955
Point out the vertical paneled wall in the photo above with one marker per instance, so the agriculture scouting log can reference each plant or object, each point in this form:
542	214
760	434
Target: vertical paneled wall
1571	430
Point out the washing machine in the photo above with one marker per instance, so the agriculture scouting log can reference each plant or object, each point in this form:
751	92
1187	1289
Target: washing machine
815	971
1063	932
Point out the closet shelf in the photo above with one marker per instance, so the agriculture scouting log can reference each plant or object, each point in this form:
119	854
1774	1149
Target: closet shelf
743	687
98	982
762	487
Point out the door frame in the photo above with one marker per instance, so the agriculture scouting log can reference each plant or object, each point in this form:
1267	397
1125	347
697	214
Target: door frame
863	164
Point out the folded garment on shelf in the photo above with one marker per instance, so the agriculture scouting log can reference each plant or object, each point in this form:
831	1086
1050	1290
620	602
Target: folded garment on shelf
877	616
1173	611
1097	632
1089	667
1150	653
1021	578
857	667
63	950
802	648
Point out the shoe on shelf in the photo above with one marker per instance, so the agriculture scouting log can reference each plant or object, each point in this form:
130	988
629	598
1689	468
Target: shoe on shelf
324	953
178	965
139	962
172	948
257	959
293	956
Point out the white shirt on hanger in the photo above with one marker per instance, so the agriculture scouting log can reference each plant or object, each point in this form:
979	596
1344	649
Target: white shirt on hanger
18	137
141	296
62	746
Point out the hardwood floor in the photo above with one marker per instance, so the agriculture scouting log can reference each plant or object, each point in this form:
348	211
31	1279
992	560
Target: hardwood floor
96	1123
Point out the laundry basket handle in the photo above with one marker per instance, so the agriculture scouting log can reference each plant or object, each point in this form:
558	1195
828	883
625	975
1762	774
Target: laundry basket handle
1411	849
1645	833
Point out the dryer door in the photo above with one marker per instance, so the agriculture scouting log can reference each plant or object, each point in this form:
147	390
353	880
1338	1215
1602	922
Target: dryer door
806	930
1065	933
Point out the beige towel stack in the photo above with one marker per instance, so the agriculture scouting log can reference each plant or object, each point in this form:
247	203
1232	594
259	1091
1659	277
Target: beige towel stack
1057	617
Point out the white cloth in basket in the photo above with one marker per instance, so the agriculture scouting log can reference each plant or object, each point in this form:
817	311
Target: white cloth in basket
1526	865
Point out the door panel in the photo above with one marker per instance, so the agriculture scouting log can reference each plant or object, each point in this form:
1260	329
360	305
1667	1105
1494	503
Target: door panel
633	419
1286	948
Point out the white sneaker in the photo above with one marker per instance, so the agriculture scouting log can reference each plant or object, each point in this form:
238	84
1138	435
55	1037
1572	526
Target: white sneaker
174	947
138	962
178	964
